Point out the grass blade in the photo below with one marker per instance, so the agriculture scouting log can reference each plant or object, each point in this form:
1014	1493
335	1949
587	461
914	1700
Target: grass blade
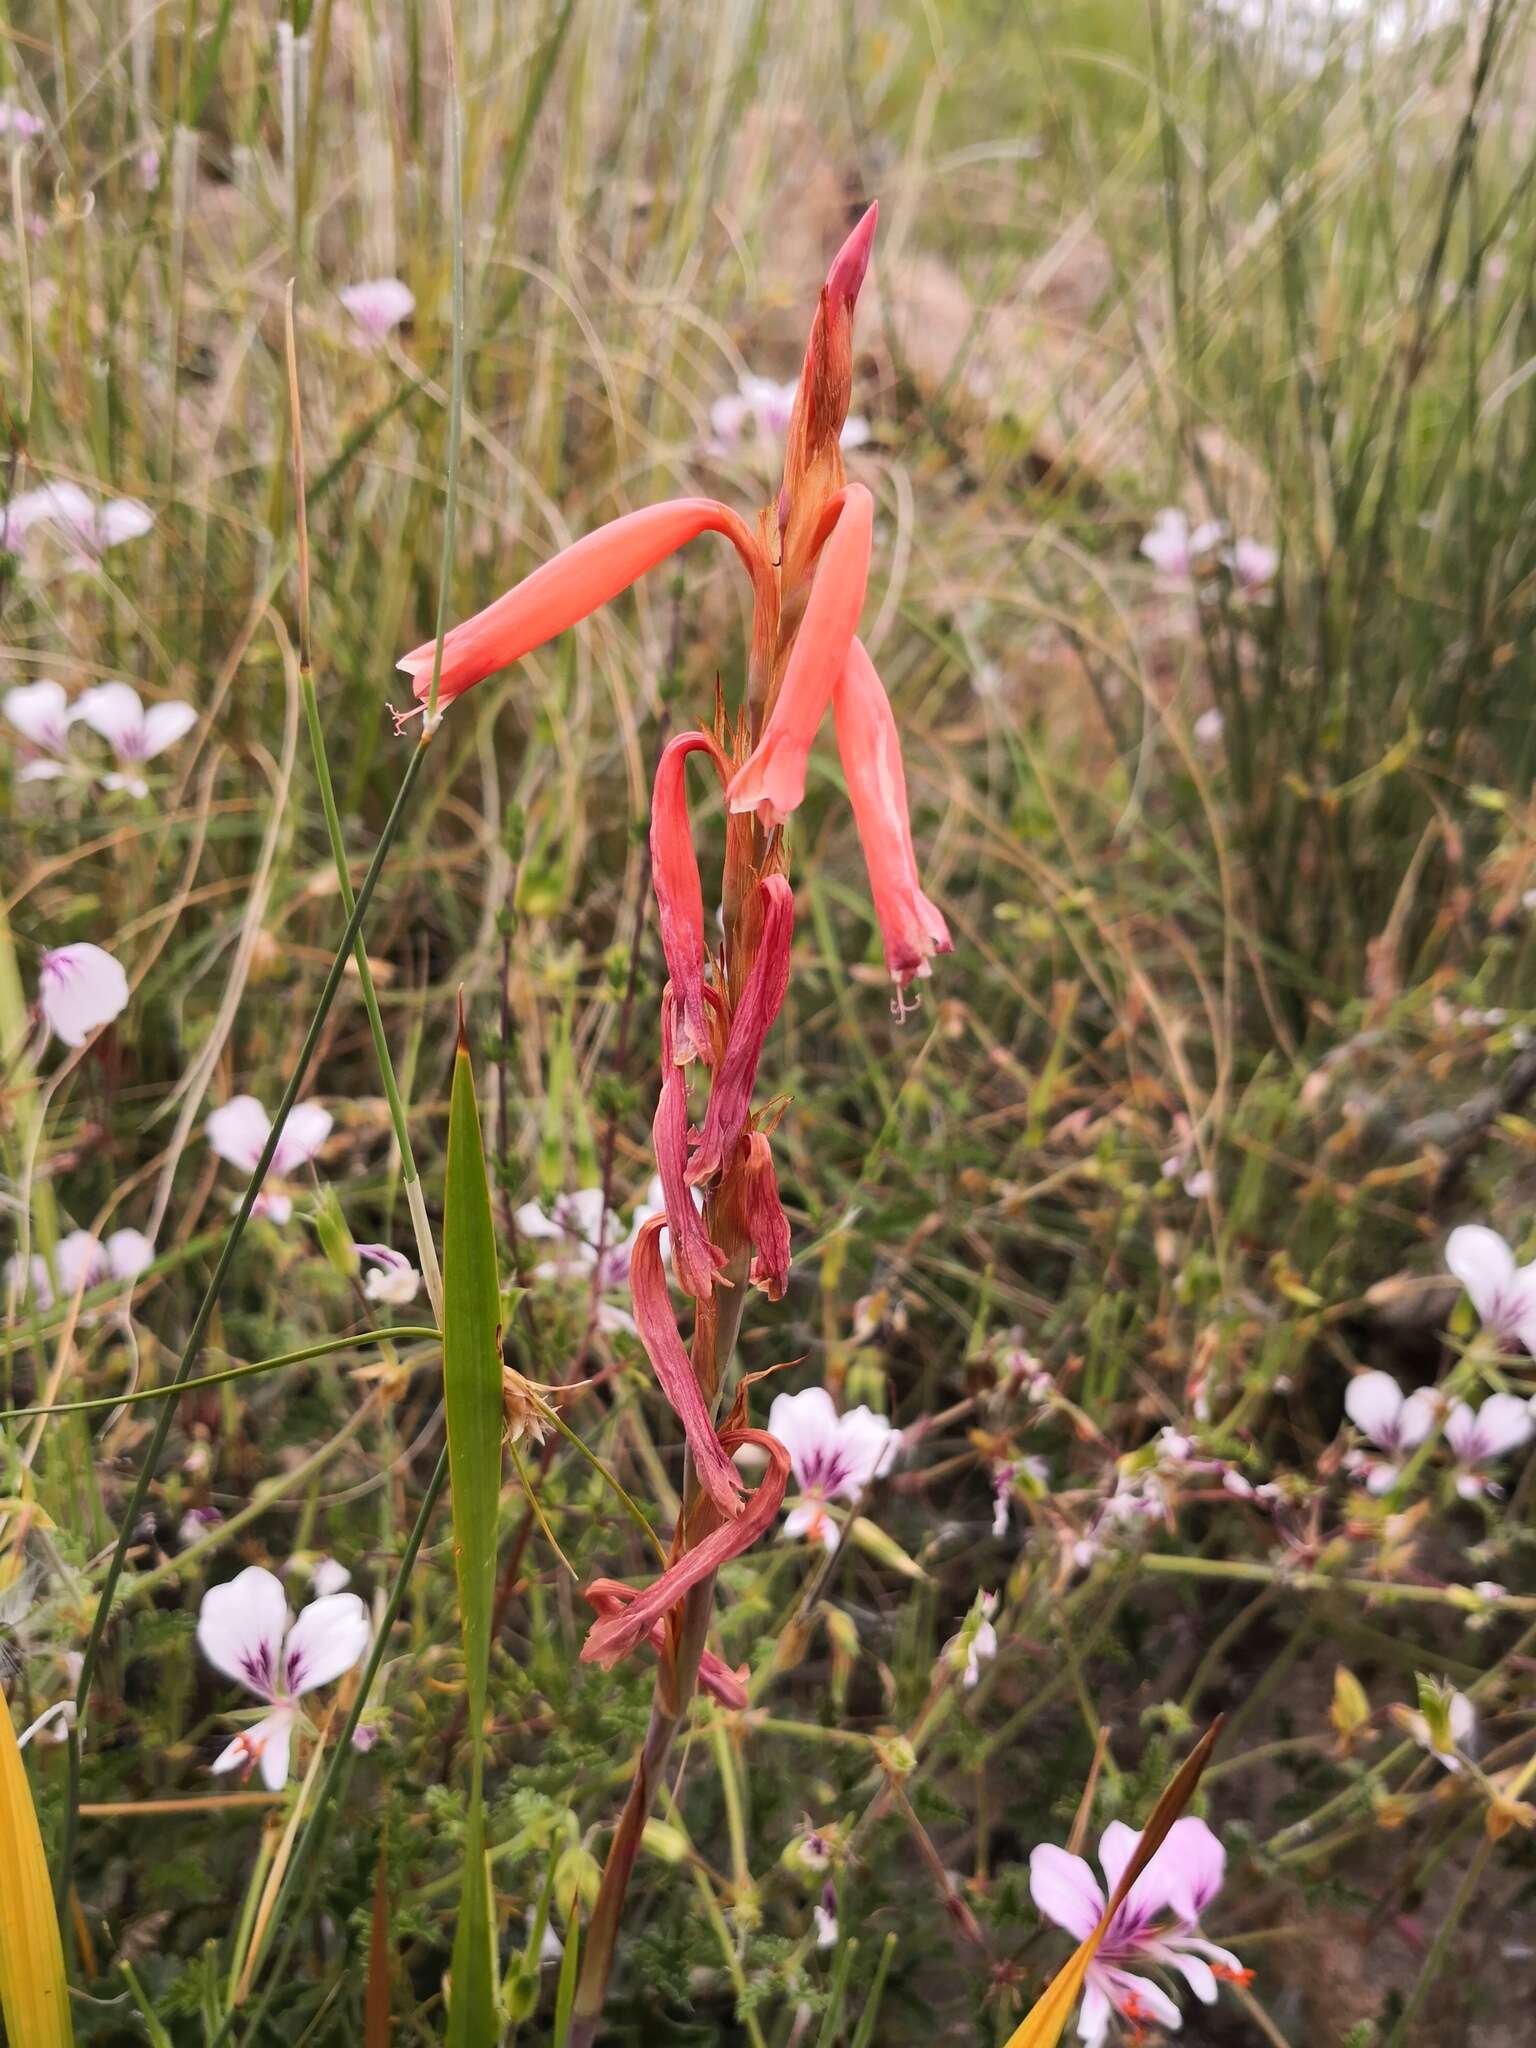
33	1995
472	1398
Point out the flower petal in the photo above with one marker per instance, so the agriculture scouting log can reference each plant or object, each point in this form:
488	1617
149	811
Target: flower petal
81	989
328	1638
1192	1864
119	520
679	898
129	1252
867	1445
306	1129
378	304
1373	1402
165	724
39	711
730	1099
240	1629
1065	1890
114	711
1483	1263
1138	1998
695	1258
806	1424
238	1131
79	1261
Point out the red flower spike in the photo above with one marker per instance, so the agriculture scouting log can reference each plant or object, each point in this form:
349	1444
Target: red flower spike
695	1260
574	584
911	928
617	1634
730	1099
767	1225
664	1347
716	1678
771	781
679	898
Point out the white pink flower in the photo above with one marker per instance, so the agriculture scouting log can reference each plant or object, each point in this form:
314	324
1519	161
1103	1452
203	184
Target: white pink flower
1175	548
238	1132
379	304
1154	1926
134	734
1479	1438
394	1281
1502	1292
1253	564
832	1456
40	713
81	1261
1394	1422
244	1629
89	527
80	988
15	120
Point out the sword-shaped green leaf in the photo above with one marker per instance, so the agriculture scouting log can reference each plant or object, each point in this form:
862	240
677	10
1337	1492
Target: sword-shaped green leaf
472	1396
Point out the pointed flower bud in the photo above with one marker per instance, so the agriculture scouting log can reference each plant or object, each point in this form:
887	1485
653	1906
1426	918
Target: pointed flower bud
813	466
767	1225
574	584
679	898
771	781
617	1634
911	928
695	1260
730	1099
664	1347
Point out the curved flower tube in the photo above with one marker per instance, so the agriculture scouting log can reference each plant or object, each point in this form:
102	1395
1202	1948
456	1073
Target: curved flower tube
617	1634
673	1368
695	1260
579	580
679	897
730	1099
771	781
612	1596
911	928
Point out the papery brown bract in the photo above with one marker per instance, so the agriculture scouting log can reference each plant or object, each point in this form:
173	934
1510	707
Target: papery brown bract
730	1099
664	1347
617	1634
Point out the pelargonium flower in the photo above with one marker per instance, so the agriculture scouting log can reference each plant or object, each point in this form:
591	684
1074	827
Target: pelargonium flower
1502	1291
134	734
90	528
1155	1925
572	1228
824	1914
1253	564
245	1630
79	989
1394	1422
238	1132
379	304
40	713
1175	548
1479	1438
394	1281
15	120
767	407
832	1457
975	1643
82	1261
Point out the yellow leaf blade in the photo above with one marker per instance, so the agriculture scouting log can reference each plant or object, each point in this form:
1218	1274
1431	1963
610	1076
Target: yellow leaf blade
33	1994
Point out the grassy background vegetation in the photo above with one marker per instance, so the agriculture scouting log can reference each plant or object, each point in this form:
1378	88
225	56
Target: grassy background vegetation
1126	260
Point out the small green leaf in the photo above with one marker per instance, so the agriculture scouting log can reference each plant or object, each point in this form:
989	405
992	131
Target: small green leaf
472	1398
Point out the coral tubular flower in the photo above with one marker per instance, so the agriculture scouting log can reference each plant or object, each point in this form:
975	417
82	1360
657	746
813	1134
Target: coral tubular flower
679	897
664	1347
730	1099
716	1678
767	1225
695	1259
579	580
912	929
617	1634
771	781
